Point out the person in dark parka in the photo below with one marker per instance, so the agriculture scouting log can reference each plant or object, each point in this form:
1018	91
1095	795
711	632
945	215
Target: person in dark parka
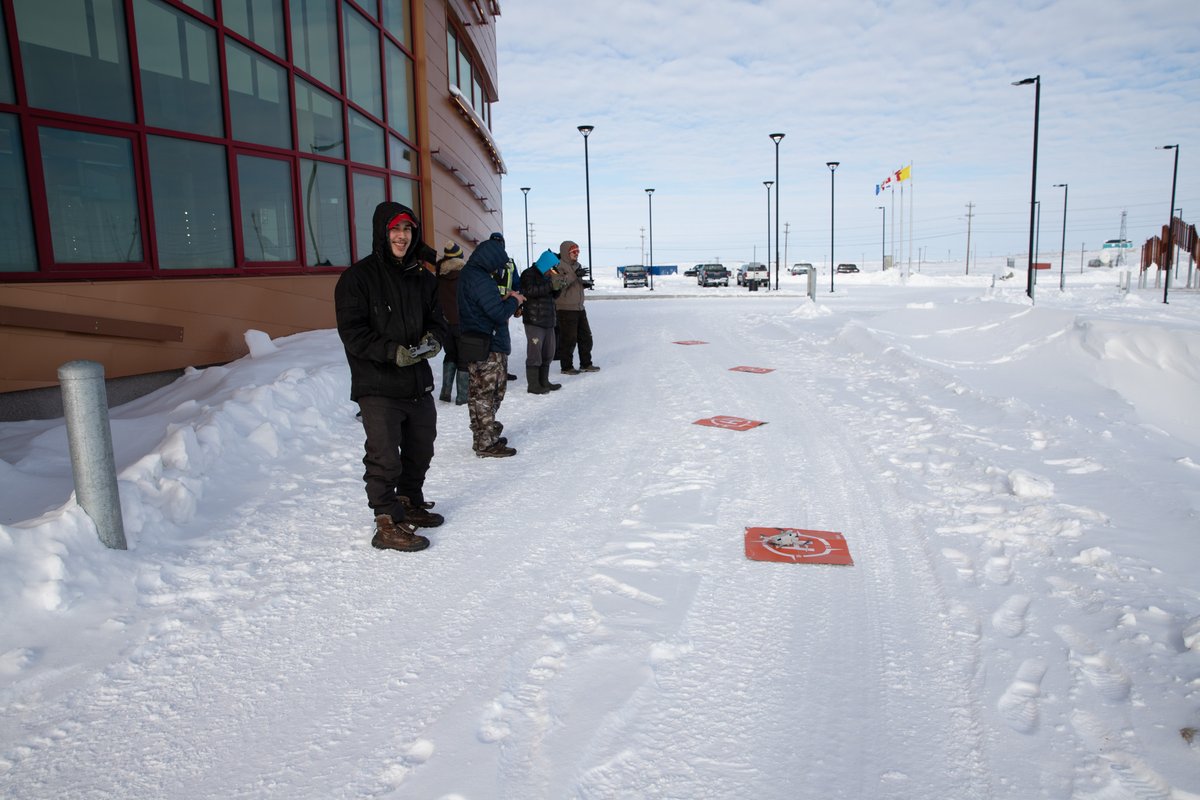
391	323
454	374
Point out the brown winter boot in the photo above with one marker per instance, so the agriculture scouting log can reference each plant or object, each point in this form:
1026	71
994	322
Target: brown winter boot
419	515
391	535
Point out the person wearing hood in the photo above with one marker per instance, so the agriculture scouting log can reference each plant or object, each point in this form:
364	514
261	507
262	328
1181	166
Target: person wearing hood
391	323
540	284
484	314
454	374
573	325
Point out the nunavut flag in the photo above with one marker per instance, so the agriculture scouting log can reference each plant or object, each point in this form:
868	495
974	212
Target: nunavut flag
904	173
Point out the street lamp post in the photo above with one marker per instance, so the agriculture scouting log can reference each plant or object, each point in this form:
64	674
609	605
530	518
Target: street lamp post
525	191
776	138
586	130
883	240
650	204
1170	220
1037	102
768	184
1062	274
833	165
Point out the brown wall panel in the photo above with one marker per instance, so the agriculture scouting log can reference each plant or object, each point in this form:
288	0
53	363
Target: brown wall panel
214	315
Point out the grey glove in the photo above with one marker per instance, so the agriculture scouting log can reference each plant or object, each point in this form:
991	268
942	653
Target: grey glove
581	272
404	356
428	347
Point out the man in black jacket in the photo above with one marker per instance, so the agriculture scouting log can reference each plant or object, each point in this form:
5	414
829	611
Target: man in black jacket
391	324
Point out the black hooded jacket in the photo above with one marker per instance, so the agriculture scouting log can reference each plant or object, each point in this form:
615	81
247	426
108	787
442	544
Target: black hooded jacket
383	303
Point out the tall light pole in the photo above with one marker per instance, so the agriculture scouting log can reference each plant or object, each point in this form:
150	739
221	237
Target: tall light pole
833	165
768	184
1037	239
1062	275
1170	220
650	205
776	138
525	191
587	188
883	240
1036	80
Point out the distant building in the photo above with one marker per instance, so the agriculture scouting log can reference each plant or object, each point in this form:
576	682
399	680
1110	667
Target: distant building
175	172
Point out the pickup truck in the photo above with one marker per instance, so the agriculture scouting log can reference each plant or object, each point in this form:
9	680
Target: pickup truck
634	275
712	275
754	272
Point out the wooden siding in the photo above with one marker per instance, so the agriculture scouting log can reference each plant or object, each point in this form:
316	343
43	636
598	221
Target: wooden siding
214	314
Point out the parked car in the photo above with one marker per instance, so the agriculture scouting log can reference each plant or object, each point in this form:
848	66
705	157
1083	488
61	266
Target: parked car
1095	262
847	268
690	272
634	275
802	268
754	272
712	275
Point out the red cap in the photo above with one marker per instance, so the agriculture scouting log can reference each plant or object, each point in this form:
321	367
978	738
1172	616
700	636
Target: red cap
403	216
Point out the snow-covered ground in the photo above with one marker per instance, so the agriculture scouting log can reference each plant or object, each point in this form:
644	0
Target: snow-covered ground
1019	487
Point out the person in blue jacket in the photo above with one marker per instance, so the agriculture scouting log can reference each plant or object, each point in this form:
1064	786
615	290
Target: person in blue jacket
483	313
391	323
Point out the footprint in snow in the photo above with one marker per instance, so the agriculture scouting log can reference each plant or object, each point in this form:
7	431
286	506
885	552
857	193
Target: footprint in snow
1019	704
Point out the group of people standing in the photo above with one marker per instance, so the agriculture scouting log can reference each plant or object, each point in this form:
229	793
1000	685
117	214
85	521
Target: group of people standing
394	315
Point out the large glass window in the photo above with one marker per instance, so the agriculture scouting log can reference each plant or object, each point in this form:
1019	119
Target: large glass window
17	252
319	121
315	40
267	209
91	197
400	81
328	236
258	98
404	190
368	193
205	7
75	57
401	157
7	93
452	56
190	184
177	56
362	63
396	20
464	75
260	21
366	141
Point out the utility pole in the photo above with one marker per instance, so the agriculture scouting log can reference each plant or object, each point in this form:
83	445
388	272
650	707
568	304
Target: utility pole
643	259
532	238
970	213
786	229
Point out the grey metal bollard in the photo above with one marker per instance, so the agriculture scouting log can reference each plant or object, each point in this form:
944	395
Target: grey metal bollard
812	283
85	406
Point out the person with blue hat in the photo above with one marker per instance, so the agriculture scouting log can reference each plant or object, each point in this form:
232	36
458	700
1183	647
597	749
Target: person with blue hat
540	284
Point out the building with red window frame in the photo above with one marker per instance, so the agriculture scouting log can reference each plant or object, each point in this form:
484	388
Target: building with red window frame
174	173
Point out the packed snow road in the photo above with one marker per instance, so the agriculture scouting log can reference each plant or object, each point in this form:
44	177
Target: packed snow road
586	623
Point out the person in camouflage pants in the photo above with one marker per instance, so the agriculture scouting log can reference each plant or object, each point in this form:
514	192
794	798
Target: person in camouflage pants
484	313
489	380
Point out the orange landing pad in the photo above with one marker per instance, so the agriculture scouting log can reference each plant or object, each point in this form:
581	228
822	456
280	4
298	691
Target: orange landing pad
797	546
755	370
732	423
691	341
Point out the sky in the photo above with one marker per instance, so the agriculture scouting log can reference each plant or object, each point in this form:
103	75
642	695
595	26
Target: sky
683	97
1017	487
